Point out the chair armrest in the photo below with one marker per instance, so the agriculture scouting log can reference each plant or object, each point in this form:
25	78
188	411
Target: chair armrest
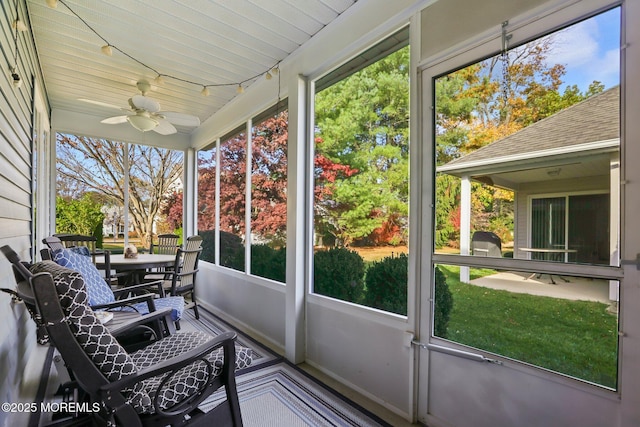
174	364
141	287
145	319
148	298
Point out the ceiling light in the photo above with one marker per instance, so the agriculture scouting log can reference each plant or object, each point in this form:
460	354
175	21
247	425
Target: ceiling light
205	91
106	49
19	25
142	122
159	80
240	89
268	76
52	3
275	70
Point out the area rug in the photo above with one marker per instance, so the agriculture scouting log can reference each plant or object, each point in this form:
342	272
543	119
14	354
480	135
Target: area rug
215	326
281	395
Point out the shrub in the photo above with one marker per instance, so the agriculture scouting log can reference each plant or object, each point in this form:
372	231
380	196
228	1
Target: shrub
268	262
443	305
386	284
233	253
339	273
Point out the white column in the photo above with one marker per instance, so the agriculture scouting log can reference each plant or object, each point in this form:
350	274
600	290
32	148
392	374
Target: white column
614	222
465	224
298	220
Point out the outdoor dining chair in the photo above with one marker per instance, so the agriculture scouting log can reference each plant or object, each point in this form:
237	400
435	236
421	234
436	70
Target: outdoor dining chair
159	385
101	293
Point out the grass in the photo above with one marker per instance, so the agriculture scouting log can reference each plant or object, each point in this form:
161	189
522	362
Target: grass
576	338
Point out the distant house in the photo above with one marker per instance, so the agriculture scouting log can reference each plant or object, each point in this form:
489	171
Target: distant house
564	172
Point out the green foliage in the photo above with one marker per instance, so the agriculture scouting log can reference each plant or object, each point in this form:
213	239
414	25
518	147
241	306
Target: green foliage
443	305
268	262
339	273
80	216
386	284
577	338
363	122
231	253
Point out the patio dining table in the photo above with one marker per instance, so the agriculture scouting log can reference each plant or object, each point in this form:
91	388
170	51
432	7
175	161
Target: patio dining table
136	266
548	253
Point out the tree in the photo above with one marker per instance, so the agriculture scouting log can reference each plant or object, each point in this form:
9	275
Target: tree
79	216
362	132
97	165
485	102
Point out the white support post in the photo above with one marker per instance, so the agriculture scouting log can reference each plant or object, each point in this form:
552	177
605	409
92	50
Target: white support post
465	224
297	221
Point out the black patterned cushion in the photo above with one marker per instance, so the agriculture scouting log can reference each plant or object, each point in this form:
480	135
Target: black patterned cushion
184	383
103	349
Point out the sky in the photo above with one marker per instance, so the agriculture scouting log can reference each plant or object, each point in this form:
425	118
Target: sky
590	51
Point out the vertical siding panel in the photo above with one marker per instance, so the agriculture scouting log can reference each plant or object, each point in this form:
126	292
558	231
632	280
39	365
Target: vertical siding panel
17	334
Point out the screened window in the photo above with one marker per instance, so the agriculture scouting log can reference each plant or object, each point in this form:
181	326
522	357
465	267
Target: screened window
361	178
527	155
269	195
118	192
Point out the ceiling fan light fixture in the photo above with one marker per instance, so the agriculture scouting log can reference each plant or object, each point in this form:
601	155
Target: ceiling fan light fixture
106	49
142	122
52	3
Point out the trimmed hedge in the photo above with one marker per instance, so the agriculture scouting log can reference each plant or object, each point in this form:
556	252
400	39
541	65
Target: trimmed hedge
443	305
339	273
386	284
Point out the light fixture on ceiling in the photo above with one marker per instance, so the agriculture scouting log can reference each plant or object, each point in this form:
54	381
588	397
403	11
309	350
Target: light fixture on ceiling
142	121
159	80
106	49
205	91
18	25
268	76
52	3
239	89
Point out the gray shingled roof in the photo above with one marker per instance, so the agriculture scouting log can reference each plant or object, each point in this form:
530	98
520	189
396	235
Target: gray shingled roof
595	119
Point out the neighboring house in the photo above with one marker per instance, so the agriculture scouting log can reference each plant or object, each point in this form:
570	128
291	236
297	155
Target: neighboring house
564	173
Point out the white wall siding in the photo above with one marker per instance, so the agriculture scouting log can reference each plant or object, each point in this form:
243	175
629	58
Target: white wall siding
17	332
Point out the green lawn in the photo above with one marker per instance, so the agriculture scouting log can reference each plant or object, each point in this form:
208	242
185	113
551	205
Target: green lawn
577	338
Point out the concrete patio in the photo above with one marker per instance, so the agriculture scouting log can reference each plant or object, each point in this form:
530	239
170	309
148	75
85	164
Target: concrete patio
577	288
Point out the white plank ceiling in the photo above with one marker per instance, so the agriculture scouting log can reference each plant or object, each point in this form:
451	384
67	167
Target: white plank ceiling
190	43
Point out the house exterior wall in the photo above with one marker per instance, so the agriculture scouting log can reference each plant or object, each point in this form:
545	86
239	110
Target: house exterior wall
587	185
17	334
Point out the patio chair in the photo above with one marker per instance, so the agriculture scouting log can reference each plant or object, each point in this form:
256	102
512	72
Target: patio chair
181	280
159	385
167	244
102	296
72	240
486	243
132	329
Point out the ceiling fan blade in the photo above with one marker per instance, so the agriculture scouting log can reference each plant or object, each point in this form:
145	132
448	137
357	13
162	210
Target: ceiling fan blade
114	120
164	127
102	104
144	103
181	119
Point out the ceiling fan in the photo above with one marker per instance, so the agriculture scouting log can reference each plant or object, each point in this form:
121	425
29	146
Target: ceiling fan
145	115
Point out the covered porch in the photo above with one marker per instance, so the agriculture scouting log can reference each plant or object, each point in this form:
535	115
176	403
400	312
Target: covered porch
219	68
